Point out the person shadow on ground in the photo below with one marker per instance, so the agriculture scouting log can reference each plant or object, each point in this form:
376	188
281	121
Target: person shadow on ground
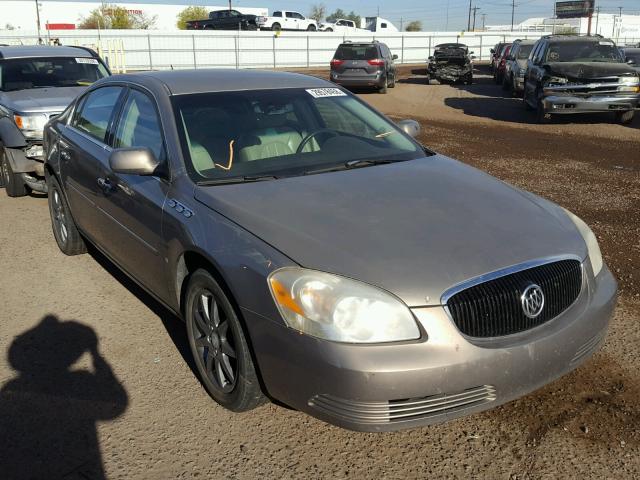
48	412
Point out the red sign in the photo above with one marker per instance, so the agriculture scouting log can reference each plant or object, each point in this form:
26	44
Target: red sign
61	26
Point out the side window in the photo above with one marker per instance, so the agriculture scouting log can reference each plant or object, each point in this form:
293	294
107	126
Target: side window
383	25
95	111
277	14
290	15
139	125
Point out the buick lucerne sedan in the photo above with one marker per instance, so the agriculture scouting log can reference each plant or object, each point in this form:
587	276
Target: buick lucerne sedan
318	254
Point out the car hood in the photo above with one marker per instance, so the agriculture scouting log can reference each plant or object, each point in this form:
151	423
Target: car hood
35	100
589	70
414	228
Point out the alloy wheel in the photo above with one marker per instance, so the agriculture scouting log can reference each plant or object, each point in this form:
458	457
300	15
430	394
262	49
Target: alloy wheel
214	342
59	216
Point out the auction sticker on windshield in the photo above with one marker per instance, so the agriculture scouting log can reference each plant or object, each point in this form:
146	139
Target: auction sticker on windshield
326	92
91	61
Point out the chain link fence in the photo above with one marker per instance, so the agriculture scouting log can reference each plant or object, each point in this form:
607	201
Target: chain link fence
156	50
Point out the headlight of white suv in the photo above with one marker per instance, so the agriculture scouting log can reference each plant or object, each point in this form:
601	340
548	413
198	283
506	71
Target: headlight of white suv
31	125
340	309
595	256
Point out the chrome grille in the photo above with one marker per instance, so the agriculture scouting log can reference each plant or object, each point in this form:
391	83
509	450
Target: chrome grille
494	308
405	409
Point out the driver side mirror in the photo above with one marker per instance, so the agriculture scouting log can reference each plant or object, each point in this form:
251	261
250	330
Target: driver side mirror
410	127
395	57
431	59
471	53
133	161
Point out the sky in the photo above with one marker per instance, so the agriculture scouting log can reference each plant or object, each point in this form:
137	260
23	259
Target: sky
434	14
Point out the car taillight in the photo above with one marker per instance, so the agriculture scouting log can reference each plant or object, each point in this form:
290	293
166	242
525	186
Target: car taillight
377	62
336	63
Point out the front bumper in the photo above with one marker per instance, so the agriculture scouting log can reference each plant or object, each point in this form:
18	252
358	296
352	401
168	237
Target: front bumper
601	103
441	377
368	80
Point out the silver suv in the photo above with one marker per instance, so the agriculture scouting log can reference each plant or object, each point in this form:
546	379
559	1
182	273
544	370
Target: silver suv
36	84
516	66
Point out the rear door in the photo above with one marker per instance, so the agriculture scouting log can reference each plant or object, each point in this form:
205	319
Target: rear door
84	157
134	203
357	59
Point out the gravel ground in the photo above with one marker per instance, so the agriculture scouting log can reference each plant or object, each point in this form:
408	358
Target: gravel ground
113	394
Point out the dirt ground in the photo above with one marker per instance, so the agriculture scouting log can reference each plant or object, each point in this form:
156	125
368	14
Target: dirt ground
116	392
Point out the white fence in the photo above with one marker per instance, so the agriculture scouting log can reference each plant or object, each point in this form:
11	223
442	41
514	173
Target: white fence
156	50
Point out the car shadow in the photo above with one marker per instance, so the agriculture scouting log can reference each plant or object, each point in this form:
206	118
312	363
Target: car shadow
173	325
49	410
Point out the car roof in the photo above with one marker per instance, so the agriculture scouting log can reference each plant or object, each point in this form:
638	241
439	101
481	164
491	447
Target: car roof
451	45
577	38
180	82
33	51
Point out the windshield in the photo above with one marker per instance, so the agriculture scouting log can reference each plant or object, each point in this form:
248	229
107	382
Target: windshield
26	73
356	52
635	56
283	132
524	51
603	51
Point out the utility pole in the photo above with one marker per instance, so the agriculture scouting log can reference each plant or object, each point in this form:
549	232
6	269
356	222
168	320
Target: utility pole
38	20
475	10
620	11
484	17
230	5
513	12
597	18
400	23
469	20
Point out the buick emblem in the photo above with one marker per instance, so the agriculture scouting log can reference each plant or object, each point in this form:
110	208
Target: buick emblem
532	300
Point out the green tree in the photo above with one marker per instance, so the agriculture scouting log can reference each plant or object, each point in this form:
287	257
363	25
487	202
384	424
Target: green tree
318	11
415	26
189	14
108	16
341	14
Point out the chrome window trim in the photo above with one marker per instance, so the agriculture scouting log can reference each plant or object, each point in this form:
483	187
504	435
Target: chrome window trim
450	292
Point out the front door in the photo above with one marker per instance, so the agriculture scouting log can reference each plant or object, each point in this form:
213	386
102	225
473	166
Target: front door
134	203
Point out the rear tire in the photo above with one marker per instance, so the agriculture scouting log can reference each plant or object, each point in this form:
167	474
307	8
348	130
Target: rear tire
64	227
328	29
506	82
218	345
1	170
13	183
276	27
311	28
527	107
392	84
625	118
383	88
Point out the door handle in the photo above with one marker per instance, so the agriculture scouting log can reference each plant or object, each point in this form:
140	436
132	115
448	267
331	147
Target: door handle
106	185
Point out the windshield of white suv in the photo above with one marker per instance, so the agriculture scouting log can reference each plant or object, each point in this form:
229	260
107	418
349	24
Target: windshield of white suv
581	51
26	73
284	132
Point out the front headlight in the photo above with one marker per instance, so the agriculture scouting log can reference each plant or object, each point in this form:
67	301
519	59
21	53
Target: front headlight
595	256
31	125
340	309
629	88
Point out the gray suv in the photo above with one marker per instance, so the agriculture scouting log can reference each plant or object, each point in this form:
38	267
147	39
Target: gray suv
368	64
516	66
569	74
36	84
318	254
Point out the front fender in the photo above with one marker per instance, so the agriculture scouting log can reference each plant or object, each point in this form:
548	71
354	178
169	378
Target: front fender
10	134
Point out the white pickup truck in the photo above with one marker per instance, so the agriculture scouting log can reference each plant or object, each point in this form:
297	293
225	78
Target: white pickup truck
287	20
341	26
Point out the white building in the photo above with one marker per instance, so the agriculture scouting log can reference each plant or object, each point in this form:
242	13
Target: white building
22	15
605	24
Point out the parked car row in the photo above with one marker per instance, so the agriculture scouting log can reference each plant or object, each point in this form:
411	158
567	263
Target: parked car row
317	252
569	74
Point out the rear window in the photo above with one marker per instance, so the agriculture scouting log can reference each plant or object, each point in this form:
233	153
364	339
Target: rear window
524	51
356	52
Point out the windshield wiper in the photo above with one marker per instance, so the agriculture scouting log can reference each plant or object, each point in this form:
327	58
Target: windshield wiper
350	164
232	180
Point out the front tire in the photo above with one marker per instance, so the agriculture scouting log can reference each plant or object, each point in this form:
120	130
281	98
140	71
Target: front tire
64	227
625	118
219	347
276	27
13	183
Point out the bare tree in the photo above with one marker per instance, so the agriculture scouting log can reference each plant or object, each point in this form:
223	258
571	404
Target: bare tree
318	12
